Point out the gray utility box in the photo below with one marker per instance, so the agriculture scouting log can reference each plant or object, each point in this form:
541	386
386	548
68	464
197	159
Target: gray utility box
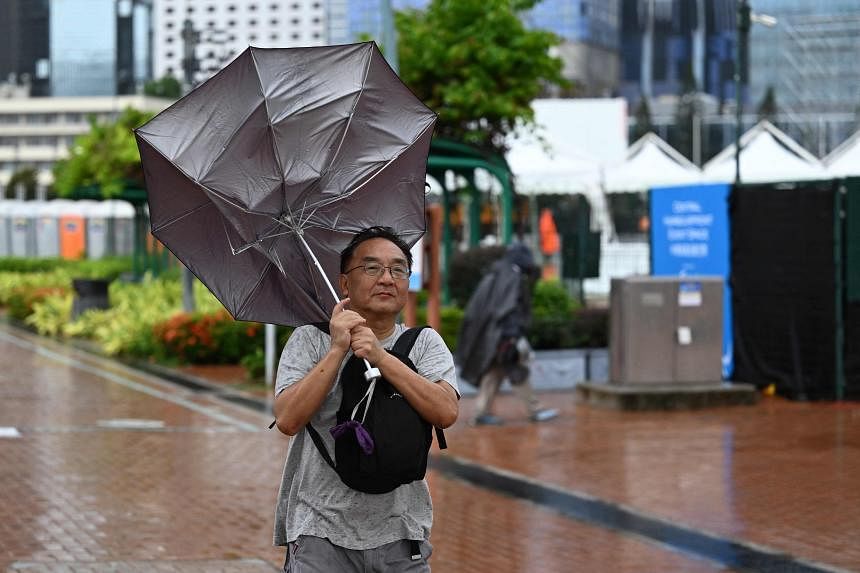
666	330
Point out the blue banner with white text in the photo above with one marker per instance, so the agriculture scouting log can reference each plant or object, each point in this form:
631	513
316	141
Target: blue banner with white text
690	236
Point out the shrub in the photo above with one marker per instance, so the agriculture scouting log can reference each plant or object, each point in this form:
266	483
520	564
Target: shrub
213	338
580	328
592	324
108	268
551	299
51	314
21	301
14	284
255	364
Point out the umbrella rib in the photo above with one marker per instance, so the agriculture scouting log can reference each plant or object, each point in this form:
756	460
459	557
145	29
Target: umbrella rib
275	150
180	217
351	112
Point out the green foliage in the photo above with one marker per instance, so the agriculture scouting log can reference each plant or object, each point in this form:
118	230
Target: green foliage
580	328
477	66
167	87
551	299
17	285
51	313
108	268
24	265
22	300
207	338
451	318
467	268
26	177
105	157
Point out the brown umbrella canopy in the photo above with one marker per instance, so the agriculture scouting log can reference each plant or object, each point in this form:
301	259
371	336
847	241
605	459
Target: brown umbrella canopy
283	146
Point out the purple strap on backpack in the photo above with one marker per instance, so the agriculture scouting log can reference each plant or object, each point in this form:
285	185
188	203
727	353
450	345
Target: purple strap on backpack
361	434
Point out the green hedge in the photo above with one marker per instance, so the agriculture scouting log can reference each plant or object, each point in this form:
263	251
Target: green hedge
108	268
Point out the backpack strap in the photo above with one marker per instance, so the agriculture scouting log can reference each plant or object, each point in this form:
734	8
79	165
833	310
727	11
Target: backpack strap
403	346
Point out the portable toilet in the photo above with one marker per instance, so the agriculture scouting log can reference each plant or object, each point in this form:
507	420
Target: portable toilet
99	225
23	229
73	239
6	227
122	234
48	228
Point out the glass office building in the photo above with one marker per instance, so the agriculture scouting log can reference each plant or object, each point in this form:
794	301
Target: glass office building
809	57
591	21
99	47
355	20
668	45
24	44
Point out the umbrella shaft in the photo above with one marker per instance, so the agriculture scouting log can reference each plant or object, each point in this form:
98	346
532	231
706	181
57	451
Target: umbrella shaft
372	373
319	267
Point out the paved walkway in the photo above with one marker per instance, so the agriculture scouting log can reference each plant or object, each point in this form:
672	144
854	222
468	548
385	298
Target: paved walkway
116	470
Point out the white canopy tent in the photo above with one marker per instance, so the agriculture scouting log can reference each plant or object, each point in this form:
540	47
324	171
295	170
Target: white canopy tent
767	156
552	160
574	141
651	162
844	161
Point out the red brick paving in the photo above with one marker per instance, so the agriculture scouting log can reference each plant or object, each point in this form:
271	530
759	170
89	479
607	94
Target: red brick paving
200	491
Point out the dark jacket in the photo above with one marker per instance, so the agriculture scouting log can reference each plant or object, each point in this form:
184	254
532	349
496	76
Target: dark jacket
499	308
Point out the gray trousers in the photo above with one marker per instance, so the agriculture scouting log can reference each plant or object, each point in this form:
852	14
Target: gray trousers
519	375
489	386
310	554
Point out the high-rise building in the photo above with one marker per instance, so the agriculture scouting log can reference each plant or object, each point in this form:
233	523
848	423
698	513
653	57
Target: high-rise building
809	59
24	44
672	46
357	20
588	30
99	47
196	38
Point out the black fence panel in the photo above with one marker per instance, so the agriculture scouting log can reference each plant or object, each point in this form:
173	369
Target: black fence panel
783	287
852	289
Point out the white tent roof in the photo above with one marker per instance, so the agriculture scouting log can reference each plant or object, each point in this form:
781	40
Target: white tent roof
844	161
651	162
556	170
573	139
767	155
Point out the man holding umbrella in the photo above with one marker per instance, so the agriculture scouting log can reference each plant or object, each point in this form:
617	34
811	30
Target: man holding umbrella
326	525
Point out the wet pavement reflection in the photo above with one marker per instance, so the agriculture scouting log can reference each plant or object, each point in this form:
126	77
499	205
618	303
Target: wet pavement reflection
115	470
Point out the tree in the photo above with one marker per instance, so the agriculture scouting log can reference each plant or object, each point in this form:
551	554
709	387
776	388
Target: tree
167	87
26	178
475	64
106	157
643	119
767	108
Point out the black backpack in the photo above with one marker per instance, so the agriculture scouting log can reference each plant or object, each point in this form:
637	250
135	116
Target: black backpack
400	437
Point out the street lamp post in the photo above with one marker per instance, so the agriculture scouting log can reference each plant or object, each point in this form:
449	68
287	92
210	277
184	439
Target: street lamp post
741	65
745	18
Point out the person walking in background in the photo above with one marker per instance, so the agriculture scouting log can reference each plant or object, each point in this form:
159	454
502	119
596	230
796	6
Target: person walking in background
492	345
327	525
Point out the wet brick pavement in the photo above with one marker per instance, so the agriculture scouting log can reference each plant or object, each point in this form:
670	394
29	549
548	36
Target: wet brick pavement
118	471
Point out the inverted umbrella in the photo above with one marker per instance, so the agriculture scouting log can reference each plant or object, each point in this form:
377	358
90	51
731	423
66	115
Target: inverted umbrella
259	177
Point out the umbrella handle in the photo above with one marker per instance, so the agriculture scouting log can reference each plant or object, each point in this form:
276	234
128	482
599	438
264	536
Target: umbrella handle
371	373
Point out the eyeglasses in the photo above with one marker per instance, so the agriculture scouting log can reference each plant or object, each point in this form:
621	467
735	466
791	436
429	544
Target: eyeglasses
398	272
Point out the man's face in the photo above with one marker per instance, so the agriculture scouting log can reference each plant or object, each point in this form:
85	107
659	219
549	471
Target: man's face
380	296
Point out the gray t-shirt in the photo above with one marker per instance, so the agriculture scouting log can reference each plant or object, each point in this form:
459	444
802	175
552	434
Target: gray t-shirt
312	499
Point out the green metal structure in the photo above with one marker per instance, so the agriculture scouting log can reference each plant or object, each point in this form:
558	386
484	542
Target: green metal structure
446	155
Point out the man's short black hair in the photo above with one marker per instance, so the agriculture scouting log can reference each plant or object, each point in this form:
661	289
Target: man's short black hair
375	232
